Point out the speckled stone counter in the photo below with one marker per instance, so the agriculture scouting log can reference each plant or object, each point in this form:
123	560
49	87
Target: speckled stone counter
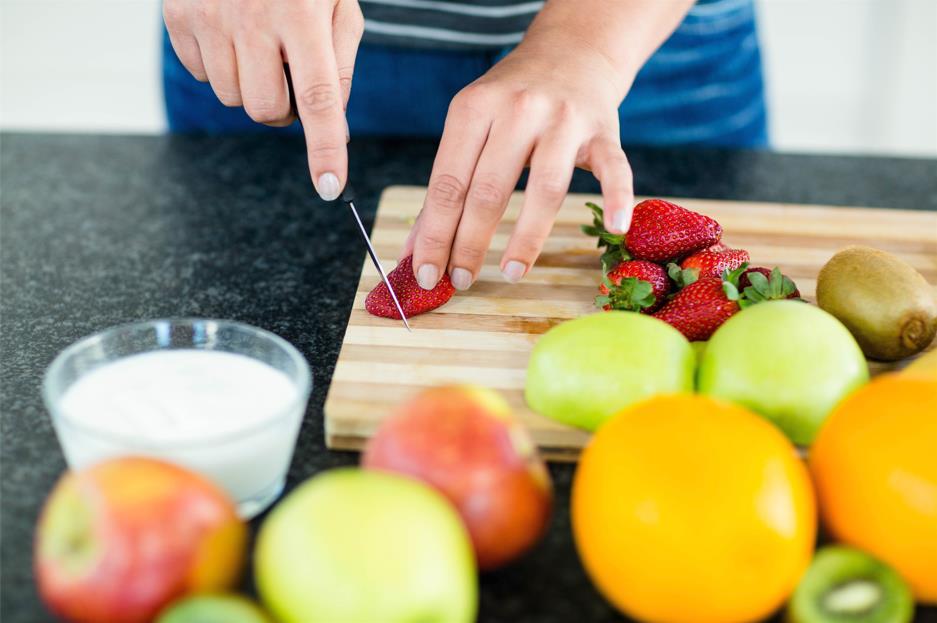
100	230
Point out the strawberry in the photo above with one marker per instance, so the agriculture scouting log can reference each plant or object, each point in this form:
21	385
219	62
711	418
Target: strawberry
760	284
633	285
701	307
707	263
414	299
660	232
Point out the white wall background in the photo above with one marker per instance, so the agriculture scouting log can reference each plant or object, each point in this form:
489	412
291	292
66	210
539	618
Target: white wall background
857	76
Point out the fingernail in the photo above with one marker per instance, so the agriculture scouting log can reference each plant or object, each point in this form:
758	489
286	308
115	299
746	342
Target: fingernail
328	186
461	278
427	276
514	271
622	220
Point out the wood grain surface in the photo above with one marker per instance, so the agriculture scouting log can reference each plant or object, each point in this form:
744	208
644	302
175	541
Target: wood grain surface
485	335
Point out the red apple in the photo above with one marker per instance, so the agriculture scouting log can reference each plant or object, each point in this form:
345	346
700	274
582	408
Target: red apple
119	540
464	441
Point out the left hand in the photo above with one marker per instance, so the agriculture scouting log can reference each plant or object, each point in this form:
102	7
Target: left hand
552	106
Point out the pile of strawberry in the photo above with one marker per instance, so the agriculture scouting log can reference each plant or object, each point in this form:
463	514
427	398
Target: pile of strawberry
671	265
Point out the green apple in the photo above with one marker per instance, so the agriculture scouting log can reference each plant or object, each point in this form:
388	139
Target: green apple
586	370
354	545
214	608
787	360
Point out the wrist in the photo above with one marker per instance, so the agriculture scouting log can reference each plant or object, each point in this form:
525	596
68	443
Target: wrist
561	45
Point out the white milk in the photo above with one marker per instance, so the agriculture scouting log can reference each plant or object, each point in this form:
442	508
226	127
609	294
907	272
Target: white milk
232	418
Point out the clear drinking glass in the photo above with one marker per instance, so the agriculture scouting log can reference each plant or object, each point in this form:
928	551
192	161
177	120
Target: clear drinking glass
250	462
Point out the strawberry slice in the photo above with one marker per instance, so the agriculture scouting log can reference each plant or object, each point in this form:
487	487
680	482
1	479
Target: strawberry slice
414	299
634	285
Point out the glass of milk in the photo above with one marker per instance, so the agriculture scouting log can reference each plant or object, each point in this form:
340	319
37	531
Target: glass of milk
221	398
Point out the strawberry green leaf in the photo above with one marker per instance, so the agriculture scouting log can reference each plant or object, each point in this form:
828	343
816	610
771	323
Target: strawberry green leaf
632	294
759	282
731	291
682	276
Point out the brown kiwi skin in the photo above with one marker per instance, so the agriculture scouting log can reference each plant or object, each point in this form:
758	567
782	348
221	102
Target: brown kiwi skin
887	305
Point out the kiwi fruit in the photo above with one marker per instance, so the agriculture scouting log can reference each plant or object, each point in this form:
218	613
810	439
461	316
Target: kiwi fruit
845	585
887	305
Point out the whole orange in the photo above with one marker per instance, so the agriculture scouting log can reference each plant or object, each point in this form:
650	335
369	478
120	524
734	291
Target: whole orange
874	464
685	508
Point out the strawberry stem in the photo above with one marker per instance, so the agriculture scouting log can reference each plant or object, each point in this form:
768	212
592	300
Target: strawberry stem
631	294
614	244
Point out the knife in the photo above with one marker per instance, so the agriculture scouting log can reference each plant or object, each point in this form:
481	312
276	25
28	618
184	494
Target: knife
348	198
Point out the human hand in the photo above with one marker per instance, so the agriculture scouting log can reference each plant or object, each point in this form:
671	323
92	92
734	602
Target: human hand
552	106
240	47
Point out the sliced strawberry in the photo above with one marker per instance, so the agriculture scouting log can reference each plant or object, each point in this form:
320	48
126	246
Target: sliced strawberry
414	299
633	285
660	231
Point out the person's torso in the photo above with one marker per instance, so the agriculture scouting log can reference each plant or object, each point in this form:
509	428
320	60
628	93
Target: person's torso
495	24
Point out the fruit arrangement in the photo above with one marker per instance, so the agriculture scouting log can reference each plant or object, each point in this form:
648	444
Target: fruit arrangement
699	379
451	484
672	264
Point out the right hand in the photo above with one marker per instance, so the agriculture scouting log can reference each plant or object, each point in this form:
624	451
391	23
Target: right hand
240	47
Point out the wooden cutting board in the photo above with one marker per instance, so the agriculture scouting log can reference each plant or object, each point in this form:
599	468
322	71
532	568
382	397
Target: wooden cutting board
485	335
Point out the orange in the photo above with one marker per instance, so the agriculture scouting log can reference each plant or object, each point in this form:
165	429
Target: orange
874	463
685	508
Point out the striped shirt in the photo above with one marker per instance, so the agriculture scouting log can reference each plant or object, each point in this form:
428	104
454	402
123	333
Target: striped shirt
489	24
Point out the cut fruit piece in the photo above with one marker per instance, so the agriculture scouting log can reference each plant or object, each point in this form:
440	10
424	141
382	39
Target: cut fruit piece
845	585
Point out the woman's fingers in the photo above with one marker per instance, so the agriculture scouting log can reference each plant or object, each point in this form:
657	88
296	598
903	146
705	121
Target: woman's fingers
264	89
551	169
347	28
176	16
610	166
318	98
220	64
500	165
463	138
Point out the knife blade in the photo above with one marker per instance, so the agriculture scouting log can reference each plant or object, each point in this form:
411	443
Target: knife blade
348	198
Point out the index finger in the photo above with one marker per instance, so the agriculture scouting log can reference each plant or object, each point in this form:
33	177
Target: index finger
318	96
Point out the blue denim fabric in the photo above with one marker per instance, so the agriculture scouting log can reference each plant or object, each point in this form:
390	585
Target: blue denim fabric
704	86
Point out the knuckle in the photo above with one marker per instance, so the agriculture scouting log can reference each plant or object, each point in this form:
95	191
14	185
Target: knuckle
174	14
447	192
325	151
526	102
469	253
526	246
565	112
266	110
487	197
551	184
318	98
206	12
228	97
431	240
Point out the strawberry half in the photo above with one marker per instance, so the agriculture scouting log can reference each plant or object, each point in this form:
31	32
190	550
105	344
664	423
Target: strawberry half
660	231
414	299
633	285
712	262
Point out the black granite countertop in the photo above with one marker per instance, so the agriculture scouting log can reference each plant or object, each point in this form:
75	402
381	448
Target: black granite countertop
101	230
